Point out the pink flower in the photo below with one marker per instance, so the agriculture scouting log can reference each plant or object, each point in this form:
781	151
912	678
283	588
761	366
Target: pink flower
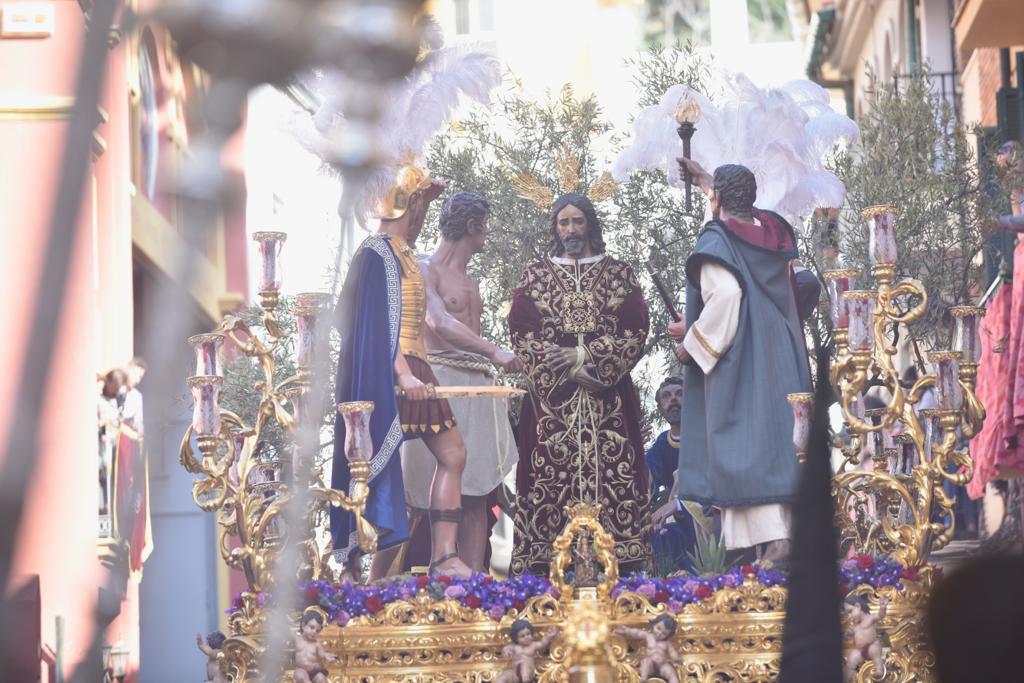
342	618
691	586
647	590
729	580
675	607
454	592
496	612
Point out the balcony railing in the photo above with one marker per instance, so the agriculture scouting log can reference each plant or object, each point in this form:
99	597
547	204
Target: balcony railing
946	84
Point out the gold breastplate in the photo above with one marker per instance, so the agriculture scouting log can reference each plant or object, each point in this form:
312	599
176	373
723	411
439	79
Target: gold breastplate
414	302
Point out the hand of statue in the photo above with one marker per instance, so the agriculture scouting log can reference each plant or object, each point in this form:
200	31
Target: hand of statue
700	177
551	632
682	354
560	357
412	388
663	513
677	330
330	657
507	361
437	187
199	639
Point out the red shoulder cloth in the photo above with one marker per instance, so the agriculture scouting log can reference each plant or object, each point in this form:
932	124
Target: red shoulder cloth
771	234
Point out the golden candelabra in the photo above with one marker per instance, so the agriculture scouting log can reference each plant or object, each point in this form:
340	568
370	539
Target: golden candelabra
898	506
247	488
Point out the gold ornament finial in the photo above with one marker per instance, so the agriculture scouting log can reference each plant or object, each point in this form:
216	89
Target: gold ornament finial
567	166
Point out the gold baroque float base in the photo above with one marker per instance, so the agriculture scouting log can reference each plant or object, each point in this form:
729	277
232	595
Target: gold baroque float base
735	635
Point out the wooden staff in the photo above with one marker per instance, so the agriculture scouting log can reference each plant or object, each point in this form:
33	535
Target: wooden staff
662	292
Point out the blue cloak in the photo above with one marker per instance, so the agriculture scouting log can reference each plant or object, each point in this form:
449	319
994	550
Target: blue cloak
367	317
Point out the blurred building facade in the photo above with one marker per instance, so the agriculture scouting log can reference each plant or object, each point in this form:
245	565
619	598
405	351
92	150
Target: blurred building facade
129	230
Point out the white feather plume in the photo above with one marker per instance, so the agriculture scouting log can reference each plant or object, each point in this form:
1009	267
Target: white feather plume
781	134
416	108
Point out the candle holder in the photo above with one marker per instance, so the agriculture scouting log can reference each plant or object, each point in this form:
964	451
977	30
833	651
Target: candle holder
358	451
309	308
948	393
250	492
907	513
206	422
270	281
207	351
687	114
860	305
967	342
882	251
803	408
838	281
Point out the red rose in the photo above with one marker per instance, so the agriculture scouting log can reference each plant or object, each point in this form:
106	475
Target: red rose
702	592
748	569
374	604
661	596
518	604
312	595
910	574
865	562
422	581
444	579
488	580
472	601
844	588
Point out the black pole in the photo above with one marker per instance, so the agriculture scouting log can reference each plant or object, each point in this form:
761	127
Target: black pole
685	131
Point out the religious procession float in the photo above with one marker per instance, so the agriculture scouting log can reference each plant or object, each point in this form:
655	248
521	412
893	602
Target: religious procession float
587	618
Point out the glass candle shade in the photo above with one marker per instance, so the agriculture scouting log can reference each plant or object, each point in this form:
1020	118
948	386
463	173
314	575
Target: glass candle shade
946	365
803	407
358	442
839	281
309	307
967	342
881	222
860	305
932	433
206	404
270	244
207	350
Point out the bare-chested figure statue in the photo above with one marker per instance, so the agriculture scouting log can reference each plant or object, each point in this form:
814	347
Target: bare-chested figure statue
661	654
310	654
522	652
864	627
459	356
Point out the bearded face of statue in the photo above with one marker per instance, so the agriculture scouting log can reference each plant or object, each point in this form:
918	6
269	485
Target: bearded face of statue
572	230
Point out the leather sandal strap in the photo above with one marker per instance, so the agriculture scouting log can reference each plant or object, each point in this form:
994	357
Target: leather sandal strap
452	515
439	561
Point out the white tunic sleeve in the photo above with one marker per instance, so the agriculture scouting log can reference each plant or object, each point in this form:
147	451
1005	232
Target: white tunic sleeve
713	332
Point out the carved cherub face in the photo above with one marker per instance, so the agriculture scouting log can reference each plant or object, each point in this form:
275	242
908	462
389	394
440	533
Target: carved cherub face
311	629
524	637
661	631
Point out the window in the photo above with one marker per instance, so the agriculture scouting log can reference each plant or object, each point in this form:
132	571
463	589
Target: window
486	8
149	117
768	21
461	17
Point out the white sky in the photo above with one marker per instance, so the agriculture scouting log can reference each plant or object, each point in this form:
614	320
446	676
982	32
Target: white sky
546	43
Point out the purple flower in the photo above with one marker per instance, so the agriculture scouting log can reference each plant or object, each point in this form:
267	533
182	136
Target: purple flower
647	590
675	606
455	592
496	612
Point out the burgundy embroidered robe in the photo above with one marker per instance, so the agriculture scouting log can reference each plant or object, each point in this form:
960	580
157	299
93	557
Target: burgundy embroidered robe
576	445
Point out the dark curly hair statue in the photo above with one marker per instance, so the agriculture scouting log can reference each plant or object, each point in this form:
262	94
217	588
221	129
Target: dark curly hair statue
737	190
458	210
580	201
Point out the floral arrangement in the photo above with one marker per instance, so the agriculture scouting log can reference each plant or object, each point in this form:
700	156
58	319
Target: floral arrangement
345	601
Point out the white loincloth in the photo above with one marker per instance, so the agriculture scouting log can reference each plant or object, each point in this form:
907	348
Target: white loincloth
483	422
749	525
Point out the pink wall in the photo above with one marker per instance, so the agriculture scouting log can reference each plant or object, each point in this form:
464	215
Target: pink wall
58	537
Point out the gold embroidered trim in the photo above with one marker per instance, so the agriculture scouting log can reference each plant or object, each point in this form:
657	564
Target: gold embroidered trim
704	342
